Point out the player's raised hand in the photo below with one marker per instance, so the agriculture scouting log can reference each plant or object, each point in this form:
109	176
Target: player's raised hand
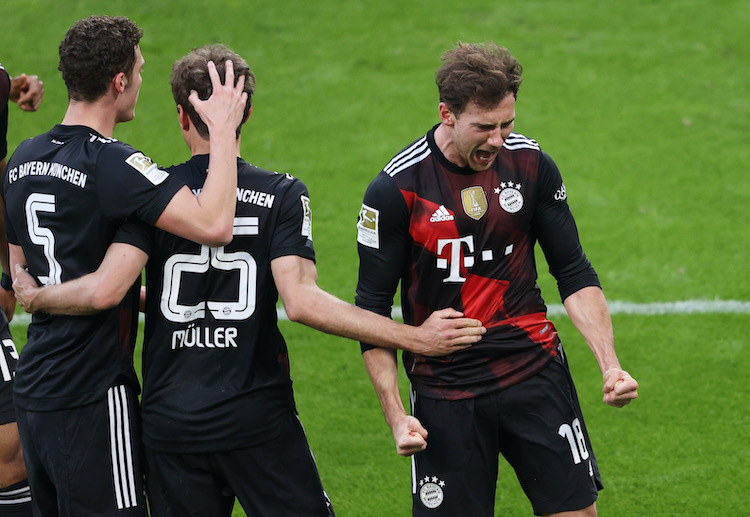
447	331
27	91
619	387
225	108
409	435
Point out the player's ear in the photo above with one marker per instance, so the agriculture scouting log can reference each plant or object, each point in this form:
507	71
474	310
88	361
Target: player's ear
119	82
183	118
446	115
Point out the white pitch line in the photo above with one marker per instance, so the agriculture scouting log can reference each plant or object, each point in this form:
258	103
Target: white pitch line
615	307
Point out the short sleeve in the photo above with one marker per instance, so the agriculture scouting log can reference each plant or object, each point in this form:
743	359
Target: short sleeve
136	233
293	231
133	185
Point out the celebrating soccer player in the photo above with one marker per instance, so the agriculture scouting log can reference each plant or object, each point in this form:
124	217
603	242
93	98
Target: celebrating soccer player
454	218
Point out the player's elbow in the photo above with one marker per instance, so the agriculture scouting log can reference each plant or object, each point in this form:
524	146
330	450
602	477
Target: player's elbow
295	312
104	297
298	310
217	235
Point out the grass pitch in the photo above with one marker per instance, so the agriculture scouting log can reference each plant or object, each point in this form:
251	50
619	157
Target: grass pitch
644	107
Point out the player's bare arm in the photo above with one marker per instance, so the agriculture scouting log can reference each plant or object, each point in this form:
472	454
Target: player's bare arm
408	433
95	292
209	217
445	332
589	313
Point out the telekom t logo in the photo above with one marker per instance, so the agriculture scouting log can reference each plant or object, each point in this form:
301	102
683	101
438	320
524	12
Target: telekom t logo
451	256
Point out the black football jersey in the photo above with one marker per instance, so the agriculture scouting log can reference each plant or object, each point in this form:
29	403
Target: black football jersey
4	96
66	193
455	237
215	365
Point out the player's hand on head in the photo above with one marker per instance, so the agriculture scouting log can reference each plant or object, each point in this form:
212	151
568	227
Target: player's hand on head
447	331
619	387
225	107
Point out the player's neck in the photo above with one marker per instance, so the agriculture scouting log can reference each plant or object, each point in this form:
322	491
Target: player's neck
444	142
199	145
91	114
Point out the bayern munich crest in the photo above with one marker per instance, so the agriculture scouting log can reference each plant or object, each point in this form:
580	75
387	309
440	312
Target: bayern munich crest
511	199
431	491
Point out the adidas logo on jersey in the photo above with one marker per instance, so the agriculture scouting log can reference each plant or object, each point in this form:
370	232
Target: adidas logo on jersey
441	214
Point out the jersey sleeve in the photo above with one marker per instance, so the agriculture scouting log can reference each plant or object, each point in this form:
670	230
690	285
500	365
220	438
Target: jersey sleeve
135	233
293	231
382	243
133	185
558	235
4	96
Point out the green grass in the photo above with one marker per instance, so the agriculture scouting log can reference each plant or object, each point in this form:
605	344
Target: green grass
644	107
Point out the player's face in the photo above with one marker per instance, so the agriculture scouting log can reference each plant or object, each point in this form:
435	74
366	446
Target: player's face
477	134
133	88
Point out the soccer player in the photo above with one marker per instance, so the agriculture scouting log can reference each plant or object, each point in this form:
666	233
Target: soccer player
454	217
66	194
219	417
15	497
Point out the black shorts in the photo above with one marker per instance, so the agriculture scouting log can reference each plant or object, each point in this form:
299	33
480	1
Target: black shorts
536	425
86	461
277	478
8	360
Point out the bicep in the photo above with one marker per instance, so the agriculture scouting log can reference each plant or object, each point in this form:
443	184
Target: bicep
176	217
292	274
121	266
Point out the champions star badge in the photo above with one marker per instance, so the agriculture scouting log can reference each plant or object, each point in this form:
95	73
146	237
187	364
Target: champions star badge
511	199
474	201
431	492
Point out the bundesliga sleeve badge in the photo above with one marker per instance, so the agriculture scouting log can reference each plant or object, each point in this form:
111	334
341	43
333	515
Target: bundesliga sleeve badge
367	227
145	166
306	217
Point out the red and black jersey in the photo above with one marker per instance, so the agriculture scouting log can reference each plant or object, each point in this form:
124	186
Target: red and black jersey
455	237
66	194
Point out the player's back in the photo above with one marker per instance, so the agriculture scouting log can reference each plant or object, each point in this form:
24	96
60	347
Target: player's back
216	371
60	214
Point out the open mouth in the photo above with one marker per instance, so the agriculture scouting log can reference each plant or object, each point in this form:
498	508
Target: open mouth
485	157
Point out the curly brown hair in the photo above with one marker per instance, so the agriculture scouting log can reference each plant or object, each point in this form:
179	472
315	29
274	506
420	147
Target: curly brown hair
483	73
191	73
95	50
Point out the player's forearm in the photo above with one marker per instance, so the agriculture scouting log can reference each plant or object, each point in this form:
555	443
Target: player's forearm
589	313
322	311
74	298
382	367
218	197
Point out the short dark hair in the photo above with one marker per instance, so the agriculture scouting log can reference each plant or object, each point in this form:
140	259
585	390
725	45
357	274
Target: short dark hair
191	73
481	73
95	50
